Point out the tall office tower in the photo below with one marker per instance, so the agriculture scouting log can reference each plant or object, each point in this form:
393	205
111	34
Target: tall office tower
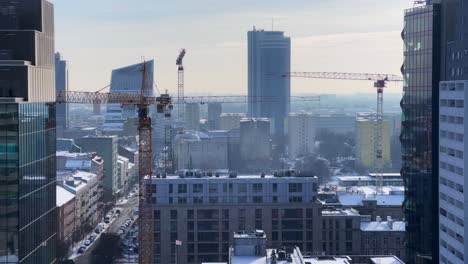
61	84
453	176
125	80
302	132
107	148
192	116
419	140
269	53
27	133
365	151
214	116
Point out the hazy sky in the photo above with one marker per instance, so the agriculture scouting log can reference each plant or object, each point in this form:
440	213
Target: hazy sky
96	36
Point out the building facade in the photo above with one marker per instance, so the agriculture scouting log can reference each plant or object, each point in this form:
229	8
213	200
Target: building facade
28	214
192	116
231	121
255	144
203	212
365	142
106	148
302	133
269	54
452	172
61	85
420	122
67	222
214	116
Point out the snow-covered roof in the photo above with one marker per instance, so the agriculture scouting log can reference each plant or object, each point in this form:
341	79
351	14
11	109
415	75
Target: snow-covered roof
248	260
396	226
382	199
78	164
63	196
386	260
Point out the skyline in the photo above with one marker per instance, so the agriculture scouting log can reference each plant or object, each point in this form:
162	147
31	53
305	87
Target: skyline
329	39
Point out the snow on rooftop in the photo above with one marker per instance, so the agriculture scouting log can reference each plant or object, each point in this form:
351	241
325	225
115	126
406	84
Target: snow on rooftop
386	260
248	260
382	199
78	164
397	226
63	196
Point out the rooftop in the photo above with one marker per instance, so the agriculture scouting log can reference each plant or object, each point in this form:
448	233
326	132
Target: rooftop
386	260
63	196
343	212
381	199
387	226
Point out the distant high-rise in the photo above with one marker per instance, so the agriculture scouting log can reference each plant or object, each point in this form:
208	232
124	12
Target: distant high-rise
28	229
453	146
269	54
255	146
61	84
214	116
192	116
420	123
302	133
365	151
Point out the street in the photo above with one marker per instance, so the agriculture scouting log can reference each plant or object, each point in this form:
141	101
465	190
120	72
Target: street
126	211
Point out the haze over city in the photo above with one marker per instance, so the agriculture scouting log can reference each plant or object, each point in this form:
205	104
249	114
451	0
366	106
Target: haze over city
336	35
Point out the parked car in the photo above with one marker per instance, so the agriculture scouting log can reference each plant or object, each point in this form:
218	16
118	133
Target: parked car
82	249
87	242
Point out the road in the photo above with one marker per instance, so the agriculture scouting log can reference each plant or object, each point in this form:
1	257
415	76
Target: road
126	211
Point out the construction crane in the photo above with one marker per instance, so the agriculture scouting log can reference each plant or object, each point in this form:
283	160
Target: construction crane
143	101
380	82
180	83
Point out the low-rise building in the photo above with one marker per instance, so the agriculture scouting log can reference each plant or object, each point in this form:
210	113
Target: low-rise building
230	121
340	232
383	237
66	218
85	187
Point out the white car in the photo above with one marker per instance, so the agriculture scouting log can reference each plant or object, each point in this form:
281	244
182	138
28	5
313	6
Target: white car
87	242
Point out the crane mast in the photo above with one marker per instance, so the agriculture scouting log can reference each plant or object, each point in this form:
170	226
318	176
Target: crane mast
380	82
180	84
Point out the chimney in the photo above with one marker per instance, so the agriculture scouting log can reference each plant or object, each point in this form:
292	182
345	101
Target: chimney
390	222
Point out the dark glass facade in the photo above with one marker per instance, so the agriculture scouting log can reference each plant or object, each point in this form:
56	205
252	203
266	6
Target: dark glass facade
27	183
419	138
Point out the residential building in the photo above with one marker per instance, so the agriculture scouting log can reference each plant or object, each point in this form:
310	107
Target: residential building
340	232
269	54
61	85
420	123
214	116
365	142
199	150
204	212
336	123
382	237
255	145
230	121
67	220
28	214
453	176
85	187
192	116
302	133
106	148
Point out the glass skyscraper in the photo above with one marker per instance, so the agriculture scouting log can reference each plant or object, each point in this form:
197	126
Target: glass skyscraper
419	139
27	132
269	55
61	84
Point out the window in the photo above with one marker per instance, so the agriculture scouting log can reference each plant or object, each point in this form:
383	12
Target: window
257	187
213	188
198	188
182	200
258	213
242	188
275	199
295	187
213	200
275	187
197	200
295	199
258	199
182	188
174	214
170	188
225	187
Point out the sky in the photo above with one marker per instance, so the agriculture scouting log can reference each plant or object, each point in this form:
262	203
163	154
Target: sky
96	36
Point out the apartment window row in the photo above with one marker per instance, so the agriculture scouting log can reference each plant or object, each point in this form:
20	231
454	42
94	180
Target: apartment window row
458	87
452	103
452	185
451	168
451	200
229	187
452	250
451	119
451	152
457	71
452	217
452	233
223	200
452	135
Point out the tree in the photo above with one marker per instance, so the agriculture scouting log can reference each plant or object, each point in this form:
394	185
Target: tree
107	250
